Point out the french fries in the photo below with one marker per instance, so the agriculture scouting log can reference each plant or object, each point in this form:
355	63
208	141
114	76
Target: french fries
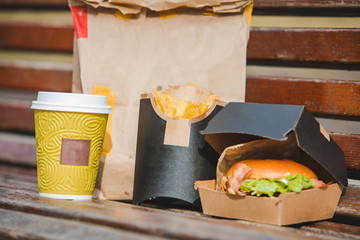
182	109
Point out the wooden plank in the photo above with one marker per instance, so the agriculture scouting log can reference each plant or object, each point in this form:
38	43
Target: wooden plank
257	3
146	220
39	36
18	149
18	225
348	208
38	76
350	144
307	3
24	152
22	183
341	96
24	179
284	44
16	115
139	219
19	175
17	178
35	3
320	96
344	231
304	45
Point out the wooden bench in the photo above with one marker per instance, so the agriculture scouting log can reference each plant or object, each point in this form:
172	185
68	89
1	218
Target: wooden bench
288	63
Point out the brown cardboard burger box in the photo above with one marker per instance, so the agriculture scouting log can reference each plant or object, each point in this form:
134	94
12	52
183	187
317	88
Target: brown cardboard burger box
243	131
171	153
124	48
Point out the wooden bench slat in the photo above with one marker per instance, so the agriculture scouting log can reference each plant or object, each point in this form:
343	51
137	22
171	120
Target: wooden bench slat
308	3
350	144
19	193
22	179
347	211
40	36
320	96
19	116
37	3
337	229
296	44
340	98
257	3
134	218
349	203
140	219
18	152
31	226
305	45
9	174
36	76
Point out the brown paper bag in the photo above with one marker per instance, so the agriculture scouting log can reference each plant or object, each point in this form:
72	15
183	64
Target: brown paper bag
135	48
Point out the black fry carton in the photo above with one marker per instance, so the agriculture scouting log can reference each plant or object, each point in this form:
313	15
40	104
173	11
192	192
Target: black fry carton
171	153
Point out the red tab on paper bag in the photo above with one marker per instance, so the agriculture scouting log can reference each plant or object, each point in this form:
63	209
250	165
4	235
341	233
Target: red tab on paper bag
79	14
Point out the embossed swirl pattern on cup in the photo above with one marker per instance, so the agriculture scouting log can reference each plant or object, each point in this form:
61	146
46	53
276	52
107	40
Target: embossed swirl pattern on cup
50	128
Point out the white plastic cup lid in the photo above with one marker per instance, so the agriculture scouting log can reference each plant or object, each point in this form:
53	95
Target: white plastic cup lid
71	102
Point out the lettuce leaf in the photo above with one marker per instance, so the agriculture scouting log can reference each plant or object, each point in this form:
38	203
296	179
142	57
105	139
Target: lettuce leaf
269	187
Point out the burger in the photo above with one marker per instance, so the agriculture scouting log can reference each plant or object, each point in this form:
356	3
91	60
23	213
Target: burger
269	177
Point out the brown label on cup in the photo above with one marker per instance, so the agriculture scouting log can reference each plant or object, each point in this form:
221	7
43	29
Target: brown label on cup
75	152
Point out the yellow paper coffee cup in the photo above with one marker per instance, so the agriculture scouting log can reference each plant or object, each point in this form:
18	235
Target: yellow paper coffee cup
69	133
